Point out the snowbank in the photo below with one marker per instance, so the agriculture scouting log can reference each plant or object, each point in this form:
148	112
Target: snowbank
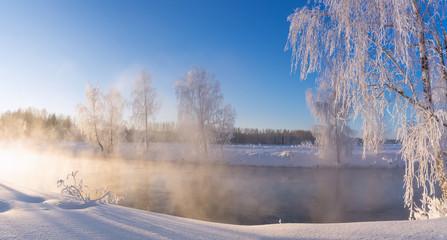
25	214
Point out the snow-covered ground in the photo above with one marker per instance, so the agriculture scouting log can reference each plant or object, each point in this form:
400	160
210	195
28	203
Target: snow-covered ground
26	214
302	156
251	155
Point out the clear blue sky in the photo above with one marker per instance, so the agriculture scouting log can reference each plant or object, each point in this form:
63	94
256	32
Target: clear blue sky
50	49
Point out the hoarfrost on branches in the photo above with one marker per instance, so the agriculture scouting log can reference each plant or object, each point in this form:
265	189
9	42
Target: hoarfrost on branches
101	118
224	128
145	105
113	119
333	136
76	190
390	57
201	109
91	115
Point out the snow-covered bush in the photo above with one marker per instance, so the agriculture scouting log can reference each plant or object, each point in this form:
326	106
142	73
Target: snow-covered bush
286	153
74	190
435	208
306	144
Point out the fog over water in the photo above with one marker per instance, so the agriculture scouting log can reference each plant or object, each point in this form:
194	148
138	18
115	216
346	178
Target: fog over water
263	195
219	193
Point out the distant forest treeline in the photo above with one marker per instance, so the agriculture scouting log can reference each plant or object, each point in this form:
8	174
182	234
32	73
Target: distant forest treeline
39	124
271	136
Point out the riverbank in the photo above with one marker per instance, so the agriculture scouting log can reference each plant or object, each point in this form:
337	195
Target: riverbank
27	214
247	154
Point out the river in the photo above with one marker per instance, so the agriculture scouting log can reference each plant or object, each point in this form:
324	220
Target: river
261	195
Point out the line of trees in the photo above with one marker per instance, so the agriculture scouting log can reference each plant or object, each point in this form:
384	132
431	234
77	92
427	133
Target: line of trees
271	136
203	117
169	132
37	124
101	117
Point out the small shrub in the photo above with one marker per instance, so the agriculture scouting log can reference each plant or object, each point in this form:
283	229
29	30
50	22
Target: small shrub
434	208
72	189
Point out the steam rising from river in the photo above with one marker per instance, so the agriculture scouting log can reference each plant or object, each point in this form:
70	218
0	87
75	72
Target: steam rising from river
232	194
39	165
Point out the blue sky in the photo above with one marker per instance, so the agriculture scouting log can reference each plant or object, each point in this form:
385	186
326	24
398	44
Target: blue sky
50	49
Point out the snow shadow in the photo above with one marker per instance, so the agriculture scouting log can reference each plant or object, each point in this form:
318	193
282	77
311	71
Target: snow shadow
4	207
22	196
73	205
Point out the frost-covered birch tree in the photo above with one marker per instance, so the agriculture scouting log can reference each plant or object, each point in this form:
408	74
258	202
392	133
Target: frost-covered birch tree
200	101
113	119
145	105
90	116
224	127
332	134
391	56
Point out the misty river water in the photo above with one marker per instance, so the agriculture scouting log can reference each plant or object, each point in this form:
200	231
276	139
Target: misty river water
261	195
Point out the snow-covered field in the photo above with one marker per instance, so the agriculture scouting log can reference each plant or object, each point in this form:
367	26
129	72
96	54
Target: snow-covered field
30	207
301	156
251	155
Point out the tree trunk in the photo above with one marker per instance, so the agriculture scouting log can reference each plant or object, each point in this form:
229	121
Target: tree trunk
441	175
97	140
205	143
425	69
111	142
426	81
337	142
146	133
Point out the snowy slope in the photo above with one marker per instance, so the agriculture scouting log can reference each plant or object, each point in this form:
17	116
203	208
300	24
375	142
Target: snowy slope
25	214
